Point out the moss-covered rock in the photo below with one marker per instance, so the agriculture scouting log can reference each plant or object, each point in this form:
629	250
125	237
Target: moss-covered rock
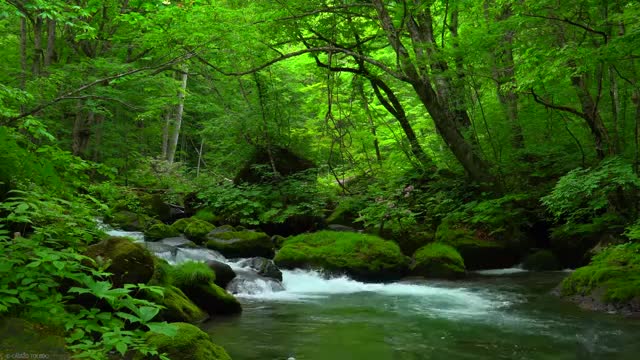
159	232
130	221
362	256
213	299
197	231
610	282
178	307
196	280
541	260
190	343
478	251
278	241
129	263
182	224
437	260
224	228
241	244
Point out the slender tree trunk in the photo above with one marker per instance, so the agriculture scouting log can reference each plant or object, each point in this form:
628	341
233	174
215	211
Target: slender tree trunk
592	116
23	52
173	144
504	74
615	108
393	105
37	46
200	157
51	42
165	134
82	130
265	127
372	125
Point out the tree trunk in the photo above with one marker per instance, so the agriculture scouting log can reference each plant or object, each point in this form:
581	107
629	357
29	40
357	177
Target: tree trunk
82	130
592	116
504	75
449	120
51	42
37	46
23	52
165	134
179	112
372	126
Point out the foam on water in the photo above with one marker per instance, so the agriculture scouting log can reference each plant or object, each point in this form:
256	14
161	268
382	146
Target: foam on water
498	272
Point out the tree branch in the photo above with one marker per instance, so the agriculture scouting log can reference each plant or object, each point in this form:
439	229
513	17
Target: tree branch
570	110
571	22
72	93
328	49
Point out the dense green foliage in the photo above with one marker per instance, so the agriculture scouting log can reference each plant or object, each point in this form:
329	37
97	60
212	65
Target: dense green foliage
492	127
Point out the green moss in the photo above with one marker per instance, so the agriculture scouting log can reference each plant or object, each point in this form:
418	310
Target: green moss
22	336
161	272
197	231
160	231
190	343
361	255
615	271
213	299
438	260
129	263
131	221
191	273
543	260
178	307
241	243
182	224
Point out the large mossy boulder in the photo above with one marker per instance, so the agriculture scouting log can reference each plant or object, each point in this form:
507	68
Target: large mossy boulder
129	263
241	244
196	280
130	221
611	281
361	256
182	224
437	260
178	307
197	231
190	343
541	260
478	251
160	231
284	160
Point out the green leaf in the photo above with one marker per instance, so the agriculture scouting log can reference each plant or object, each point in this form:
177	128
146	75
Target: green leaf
147	313
163	328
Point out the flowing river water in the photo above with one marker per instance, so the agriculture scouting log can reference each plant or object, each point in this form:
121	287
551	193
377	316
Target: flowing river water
502	314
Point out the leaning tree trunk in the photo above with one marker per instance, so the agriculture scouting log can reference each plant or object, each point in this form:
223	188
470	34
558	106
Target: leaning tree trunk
433	87
173	144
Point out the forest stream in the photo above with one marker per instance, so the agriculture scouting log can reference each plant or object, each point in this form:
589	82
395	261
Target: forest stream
494	314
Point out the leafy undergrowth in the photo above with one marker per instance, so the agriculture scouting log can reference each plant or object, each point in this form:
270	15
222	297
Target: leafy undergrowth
616	271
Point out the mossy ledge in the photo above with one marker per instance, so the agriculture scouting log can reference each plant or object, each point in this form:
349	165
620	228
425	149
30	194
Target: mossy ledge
364	257
438	260
611	281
